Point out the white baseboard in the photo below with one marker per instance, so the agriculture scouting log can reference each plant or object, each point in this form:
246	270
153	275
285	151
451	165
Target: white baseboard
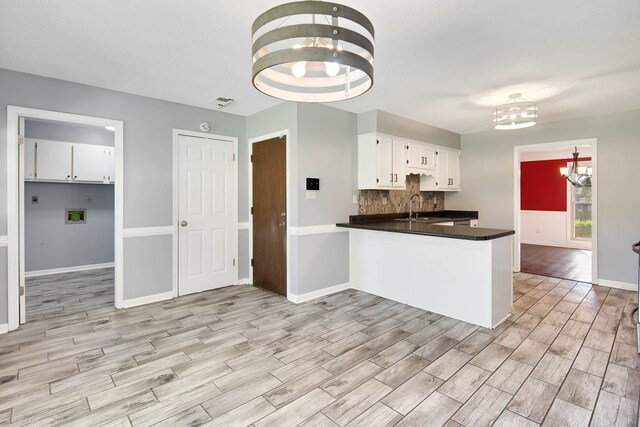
36	273
134	302
297	299
618	285
244	281
4	328
316	229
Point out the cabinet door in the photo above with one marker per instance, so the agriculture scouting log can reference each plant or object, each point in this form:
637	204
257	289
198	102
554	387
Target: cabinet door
429	157
111	174
442	170
29	159
454	170
415	158
399	163
90	163
53	161
385	162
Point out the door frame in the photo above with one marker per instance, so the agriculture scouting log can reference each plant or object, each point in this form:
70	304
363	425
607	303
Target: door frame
15	213
176	198
517	151
286	134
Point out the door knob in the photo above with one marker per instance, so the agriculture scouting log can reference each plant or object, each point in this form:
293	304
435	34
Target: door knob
183	223
282	224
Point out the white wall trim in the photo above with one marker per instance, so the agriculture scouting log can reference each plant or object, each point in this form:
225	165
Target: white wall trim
36	273
517	151
3	241
297	299
149	231
245	281
618	285
316	229
289	183
243	225
4	328
176	200
134	302
15	215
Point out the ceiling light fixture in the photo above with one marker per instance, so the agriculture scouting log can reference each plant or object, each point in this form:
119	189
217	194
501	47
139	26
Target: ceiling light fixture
515	114
578	176
301	52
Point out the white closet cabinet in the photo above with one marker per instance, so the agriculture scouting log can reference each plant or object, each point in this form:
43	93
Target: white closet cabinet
91	163
448	170
29	159
56	161
53	161
381	162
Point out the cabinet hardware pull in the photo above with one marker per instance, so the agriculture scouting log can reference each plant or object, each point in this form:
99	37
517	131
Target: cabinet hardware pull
391	177
396	175
183	223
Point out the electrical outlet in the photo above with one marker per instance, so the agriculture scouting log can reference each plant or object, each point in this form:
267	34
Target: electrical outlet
34	200
355	199
385	201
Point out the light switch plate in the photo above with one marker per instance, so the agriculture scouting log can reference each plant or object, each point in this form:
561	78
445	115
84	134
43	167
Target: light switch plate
34	200
88	200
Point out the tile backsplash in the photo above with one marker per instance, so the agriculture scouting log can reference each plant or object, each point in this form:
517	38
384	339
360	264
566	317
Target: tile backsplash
394	201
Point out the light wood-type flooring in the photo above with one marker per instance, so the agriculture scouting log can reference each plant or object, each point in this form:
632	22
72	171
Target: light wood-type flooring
242	356
563	263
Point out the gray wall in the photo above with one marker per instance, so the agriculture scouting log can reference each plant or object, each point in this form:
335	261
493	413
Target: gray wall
391	124
50	243
488	169
148	141
68	133
322	144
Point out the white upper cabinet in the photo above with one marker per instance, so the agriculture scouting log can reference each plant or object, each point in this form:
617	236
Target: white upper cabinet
448	170
29	159
420	157
53	161
90	163
381	162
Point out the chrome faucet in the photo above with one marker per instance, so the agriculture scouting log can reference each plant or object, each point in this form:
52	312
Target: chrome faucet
410	204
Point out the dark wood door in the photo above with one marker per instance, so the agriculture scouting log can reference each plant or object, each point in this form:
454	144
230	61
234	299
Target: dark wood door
269	215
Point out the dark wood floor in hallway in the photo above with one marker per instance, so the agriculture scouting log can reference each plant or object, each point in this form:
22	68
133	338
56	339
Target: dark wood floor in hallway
551	261
243	356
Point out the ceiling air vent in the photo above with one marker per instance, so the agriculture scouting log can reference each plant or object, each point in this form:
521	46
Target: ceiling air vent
221	101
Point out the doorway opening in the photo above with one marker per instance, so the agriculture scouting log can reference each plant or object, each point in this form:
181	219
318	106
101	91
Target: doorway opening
556	220
269	222
68	218
64	200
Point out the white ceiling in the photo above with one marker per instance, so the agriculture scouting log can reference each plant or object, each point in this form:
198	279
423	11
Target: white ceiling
441	62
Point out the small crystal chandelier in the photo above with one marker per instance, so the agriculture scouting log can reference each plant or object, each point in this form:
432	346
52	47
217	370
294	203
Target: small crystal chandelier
578	176
515	114
301	52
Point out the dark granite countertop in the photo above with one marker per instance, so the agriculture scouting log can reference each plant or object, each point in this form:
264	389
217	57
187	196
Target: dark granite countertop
427	227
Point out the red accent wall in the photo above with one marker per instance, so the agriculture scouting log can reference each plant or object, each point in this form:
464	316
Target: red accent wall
542	188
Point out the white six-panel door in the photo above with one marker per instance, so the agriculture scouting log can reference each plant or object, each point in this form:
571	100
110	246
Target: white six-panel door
206	244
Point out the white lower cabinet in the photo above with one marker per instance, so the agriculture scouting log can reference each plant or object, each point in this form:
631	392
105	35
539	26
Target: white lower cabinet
56	161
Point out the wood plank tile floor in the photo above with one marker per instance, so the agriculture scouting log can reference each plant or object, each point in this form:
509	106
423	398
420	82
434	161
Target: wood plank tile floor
242	356
563	263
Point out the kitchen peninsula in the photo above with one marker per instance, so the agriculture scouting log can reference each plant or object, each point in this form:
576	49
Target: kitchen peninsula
457	271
